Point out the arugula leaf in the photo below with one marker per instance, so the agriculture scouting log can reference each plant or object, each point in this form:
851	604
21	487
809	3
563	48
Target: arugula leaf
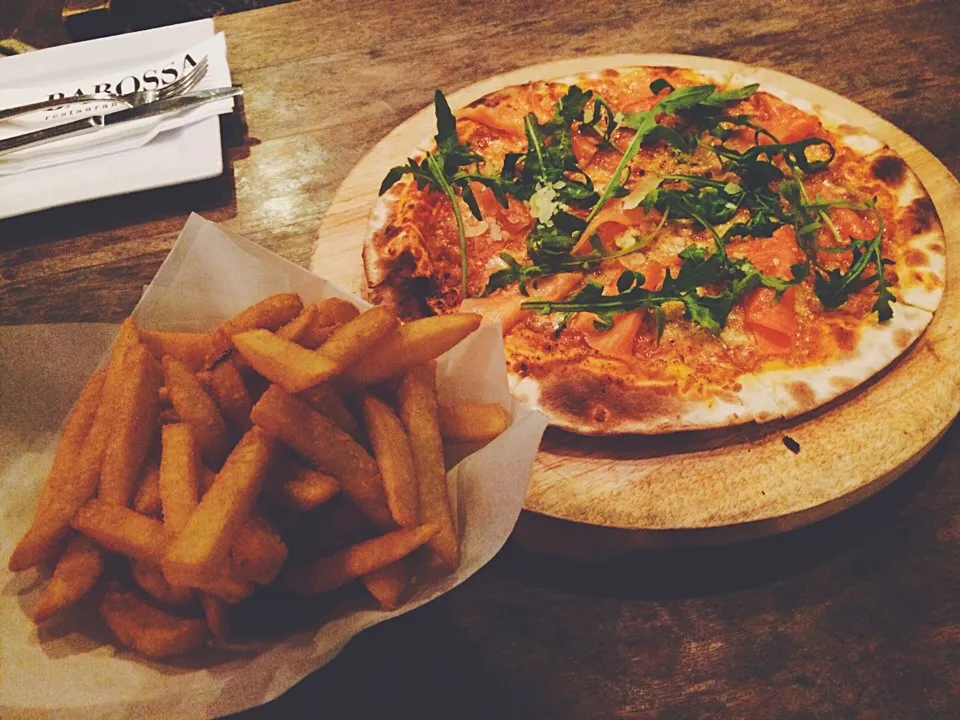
834	287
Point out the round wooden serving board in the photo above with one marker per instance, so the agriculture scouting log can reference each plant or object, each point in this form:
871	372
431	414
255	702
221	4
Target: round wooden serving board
608	494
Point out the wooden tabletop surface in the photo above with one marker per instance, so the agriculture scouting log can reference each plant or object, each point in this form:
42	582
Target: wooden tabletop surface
855	617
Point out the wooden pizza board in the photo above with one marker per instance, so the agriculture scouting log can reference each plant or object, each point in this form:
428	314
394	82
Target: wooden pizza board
604	495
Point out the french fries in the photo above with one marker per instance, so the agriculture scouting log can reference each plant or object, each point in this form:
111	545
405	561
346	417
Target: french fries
473	422
123	531
198	410
292	367
137	407
418	409
76	572
328	573
327	448
202	546
262	399
391	447
192	349
410	345
152	632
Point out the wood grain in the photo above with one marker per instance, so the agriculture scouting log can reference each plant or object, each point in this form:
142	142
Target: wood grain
717	485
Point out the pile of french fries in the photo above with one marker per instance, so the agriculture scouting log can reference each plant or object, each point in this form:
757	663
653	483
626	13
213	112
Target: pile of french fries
300	445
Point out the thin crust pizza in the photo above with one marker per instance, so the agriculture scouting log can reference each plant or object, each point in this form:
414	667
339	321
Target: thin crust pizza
664	251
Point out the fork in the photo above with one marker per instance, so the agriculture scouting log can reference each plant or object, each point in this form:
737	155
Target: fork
182	84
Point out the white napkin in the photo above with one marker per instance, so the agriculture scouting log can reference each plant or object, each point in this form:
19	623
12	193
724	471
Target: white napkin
122	78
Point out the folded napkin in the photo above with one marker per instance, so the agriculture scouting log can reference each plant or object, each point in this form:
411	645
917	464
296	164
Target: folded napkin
121	78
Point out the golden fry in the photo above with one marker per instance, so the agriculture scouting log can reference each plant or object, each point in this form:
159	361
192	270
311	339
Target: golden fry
313	577
334	311
257	552
228	389
391	447
123	531
301	488
76	572
204	543
60	493
151	580
296	328
325	400
387	584
417	401
135	418
59	502
271	313
217	614
146	628
412	344
327	447
179	476
314	337
473	422
192	349
358	337
291	366
198	410
147	500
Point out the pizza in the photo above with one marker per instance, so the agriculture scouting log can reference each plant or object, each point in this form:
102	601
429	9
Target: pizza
665	250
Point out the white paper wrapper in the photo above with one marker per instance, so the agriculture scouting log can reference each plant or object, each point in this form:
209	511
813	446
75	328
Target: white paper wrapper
120	137
70	668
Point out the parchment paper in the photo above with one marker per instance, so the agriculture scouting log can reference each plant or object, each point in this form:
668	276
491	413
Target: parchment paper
69	668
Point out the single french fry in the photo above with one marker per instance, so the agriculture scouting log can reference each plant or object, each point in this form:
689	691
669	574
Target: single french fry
301	488
292	367
391	448
313	577
147	499
151	580
204	543
179	476
198	410
217	614
297	327
121	530
59	501
473	422
258	553
77	571
146	628
192	349
417	400
358	337
224	584
325	400
60	495
271	313
228	389
388	583
135	419
315	336
411	344
327	447
334	311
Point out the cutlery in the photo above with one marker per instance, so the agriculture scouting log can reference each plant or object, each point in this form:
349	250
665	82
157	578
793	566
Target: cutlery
95	123
181	85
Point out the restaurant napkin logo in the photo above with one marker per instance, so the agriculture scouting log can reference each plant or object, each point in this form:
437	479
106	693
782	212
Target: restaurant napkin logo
149	79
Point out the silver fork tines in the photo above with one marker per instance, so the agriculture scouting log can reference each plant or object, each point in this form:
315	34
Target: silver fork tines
181	85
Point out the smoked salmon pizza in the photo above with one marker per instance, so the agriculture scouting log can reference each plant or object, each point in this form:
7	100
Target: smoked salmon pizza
663	250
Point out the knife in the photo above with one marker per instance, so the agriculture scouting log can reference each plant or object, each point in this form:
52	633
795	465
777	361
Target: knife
95	123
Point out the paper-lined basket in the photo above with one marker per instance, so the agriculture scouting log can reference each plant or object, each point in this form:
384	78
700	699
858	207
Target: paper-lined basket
71	668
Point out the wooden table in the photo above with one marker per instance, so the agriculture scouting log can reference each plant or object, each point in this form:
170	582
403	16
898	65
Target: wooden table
858	616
